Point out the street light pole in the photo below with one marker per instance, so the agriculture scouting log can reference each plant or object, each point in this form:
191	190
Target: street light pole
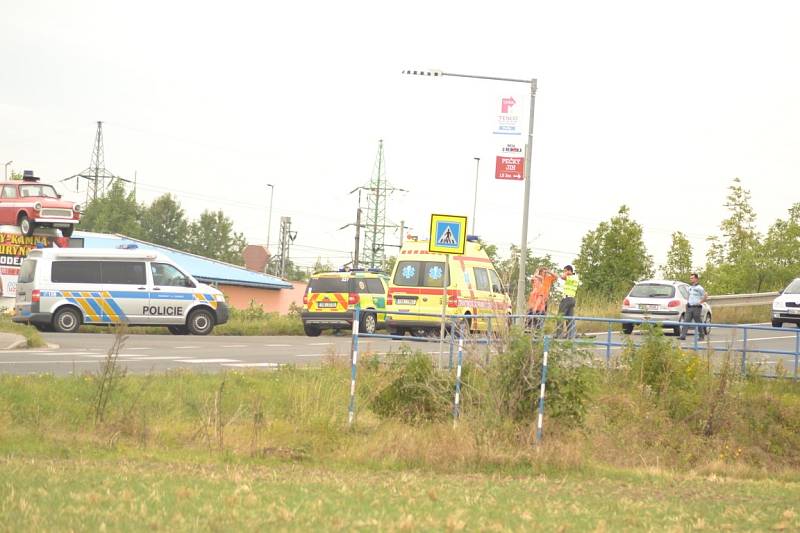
7	163
523	248
475	197
269	220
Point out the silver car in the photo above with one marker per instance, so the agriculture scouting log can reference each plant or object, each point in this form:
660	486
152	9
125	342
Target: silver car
659	301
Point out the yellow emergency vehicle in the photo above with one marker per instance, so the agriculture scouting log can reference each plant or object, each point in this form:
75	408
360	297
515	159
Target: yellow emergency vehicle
417	286
331	298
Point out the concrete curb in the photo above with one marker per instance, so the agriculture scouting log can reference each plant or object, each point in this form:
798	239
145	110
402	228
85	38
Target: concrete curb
12	341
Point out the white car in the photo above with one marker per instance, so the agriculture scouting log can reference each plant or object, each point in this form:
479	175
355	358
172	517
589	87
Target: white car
659	301
786	307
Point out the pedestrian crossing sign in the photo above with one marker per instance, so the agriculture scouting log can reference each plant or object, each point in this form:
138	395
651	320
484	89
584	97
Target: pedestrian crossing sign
448	234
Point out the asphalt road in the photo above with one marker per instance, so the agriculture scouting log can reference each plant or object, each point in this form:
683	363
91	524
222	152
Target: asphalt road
83	352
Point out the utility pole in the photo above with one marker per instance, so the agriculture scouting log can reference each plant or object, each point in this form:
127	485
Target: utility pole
96	175
475	196
356	257
269	222
287	237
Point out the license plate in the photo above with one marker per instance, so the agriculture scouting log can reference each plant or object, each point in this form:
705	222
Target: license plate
648	307
326	305
405	301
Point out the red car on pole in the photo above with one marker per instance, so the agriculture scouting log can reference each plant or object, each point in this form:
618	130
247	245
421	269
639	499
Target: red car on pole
27	203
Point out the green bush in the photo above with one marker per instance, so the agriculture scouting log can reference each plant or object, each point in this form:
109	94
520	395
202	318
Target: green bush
416	392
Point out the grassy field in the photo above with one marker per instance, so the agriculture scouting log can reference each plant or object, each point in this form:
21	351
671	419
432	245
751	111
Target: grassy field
147	493
658	443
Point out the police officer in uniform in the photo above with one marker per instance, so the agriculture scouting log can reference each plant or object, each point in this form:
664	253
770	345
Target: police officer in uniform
569	288
694	307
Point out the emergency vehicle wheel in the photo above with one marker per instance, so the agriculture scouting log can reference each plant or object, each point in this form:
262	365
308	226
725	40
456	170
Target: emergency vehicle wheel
311	331
368	323
25	225
67	320
200	322
67	232
627	329
43	327
178	330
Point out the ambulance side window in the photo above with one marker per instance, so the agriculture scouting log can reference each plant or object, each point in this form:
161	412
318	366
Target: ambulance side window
374	286
123	272
481	279
165	275
497	285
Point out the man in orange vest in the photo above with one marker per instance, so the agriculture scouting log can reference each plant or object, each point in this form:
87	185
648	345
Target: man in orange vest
541	282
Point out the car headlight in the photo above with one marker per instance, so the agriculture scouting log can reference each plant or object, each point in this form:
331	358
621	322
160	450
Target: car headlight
219	297
37	206
76	208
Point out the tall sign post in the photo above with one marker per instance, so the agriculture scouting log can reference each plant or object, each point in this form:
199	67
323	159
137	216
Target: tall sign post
506	170
448	236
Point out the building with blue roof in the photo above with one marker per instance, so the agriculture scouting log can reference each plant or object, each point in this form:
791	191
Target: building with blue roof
241	286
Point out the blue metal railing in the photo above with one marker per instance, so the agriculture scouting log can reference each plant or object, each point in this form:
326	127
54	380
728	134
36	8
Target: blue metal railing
603	338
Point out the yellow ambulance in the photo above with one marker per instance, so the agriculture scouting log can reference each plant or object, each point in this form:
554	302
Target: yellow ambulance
417	286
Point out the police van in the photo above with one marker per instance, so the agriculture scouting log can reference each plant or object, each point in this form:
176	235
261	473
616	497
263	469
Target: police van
61	288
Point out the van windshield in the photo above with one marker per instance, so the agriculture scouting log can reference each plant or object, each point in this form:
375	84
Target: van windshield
419	274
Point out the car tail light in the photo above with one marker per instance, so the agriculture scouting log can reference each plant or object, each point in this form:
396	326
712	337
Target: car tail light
674	303
36	296
626	302
389	299
353	298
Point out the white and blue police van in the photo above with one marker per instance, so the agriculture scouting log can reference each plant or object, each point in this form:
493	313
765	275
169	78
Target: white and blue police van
59	289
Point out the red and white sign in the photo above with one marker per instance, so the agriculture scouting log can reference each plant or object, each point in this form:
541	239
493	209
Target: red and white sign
509	168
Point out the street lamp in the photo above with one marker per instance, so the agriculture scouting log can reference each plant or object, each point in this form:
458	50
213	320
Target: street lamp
475	197
523	248
7	163
269	220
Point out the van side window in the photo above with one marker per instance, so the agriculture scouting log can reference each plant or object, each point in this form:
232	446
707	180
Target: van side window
481	279
165	275
123	272
75	272
497	285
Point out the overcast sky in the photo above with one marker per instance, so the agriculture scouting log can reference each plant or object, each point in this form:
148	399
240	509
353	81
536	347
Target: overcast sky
654	105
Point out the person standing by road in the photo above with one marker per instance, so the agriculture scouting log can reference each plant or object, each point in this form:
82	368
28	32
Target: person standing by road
569	288
694	307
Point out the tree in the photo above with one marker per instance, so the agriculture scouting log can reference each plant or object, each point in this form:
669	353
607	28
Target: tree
613	256
115	212
736	262
164	222
782	250
679	258
212	236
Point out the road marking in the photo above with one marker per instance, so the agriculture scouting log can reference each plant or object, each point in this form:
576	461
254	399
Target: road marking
103	356
234	346
159	358
47	362
139	348
319	344
257	365
277	345
210	361
185	347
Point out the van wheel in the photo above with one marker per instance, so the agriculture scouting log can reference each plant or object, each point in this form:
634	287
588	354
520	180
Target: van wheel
25	225
368	323
43	327
778	324
67	232
311	331
178	330
627	329
67	320
200	322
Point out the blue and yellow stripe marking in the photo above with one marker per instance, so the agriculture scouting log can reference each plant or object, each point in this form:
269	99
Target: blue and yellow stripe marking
101	306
